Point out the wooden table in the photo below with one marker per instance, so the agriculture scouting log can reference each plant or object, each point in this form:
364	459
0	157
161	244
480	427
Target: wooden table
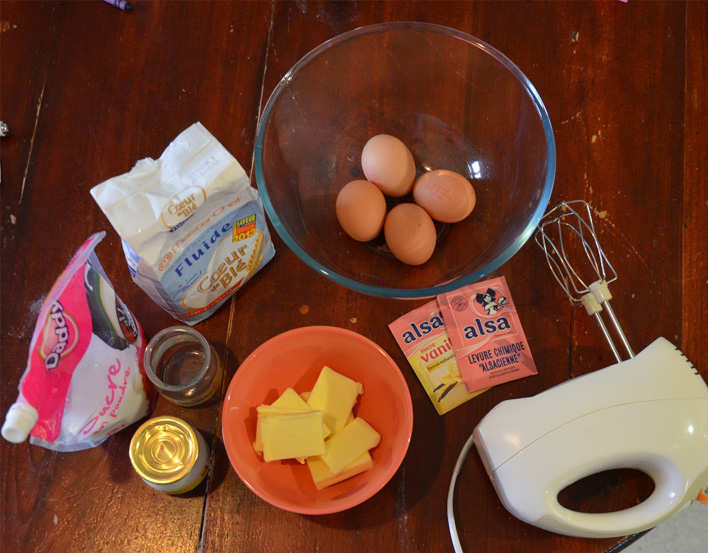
87	90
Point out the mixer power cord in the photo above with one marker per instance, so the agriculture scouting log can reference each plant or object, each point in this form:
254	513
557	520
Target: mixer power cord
451	494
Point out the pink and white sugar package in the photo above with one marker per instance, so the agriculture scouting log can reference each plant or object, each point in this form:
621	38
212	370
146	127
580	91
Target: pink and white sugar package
84	378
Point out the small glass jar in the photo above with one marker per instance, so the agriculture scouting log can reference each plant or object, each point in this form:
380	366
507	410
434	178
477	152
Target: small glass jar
169	455
183	366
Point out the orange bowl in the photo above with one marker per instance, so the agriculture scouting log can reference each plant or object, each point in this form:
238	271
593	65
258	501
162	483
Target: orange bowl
294	359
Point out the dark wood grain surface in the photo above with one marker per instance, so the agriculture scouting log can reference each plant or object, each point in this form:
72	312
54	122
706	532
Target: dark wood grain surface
87	90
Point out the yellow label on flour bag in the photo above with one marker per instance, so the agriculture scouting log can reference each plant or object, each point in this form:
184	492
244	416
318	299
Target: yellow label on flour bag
193	229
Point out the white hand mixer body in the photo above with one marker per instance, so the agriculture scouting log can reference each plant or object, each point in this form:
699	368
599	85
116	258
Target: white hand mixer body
648	413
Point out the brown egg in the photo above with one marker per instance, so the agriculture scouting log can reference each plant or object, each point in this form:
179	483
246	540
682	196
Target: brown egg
447	196
361	210
388	163
410	233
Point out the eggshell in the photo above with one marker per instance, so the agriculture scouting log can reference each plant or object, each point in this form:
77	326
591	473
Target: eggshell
410	233
388	163
361	210
447	196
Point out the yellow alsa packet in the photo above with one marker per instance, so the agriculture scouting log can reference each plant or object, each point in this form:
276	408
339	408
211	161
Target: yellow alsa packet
424	340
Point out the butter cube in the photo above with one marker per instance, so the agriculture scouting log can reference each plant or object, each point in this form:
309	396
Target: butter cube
322	477
292	435
289	400
349	443
265	411
335	395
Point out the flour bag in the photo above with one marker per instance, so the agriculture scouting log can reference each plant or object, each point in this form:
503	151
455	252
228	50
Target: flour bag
84	378
192	227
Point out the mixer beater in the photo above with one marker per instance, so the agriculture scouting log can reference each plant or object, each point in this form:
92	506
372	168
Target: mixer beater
562	232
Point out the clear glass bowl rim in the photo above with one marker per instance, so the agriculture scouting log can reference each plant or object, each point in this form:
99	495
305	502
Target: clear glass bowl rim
411	293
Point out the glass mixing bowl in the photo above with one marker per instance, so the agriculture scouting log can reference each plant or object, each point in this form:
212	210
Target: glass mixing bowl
456	102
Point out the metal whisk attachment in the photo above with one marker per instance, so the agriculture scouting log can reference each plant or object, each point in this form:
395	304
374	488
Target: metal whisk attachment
566	232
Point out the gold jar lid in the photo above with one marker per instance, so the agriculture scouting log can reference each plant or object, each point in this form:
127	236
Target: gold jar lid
164	450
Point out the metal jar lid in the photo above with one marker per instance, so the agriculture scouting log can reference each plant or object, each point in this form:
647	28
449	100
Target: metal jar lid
164	450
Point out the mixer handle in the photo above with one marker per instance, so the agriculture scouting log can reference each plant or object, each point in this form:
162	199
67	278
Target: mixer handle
654	510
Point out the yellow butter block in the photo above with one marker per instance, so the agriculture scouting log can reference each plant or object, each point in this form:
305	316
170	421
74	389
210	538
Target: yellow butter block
349	443
335	395
266	411
322	477
290	399
292	435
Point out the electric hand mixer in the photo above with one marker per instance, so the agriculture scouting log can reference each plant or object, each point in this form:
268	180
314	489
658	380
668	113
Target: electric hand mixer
649	412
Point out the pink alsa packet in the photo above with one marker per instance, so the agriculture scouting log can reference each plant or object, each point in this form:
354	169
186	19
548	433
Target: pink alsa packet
486	334
424	340
85	378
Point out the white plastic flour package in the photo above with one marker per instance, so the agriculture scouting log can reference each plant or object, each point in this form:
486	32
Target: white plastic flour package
84	378
193	229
